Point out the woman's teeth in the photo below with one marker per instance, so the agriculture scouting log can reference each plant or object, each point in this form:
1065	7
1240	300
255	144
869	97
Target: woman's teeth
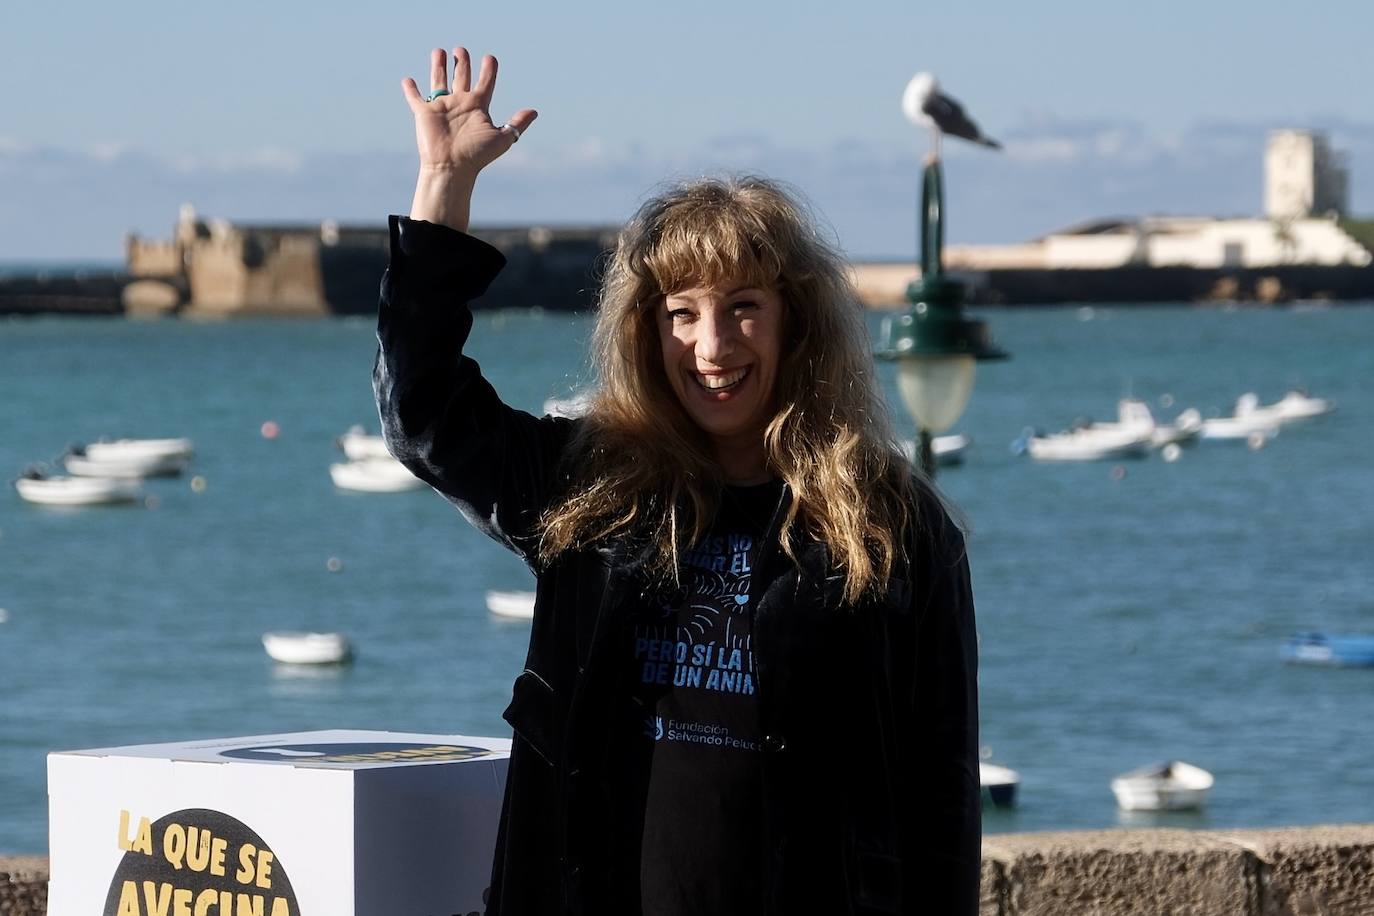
721	382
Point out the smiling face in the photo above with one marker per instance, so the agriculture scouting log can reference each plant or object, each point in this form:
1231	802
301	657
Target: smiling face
721	348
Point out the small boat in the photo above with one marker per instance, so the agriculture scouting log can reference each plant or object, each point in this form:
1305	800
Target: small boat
1294	405
569	407
54	490
516	605
374	475
122	463
1134	416
1336	650
308	648
1297	405
121	449
1171	786
1238	429
358	445
1248	422
948	450
1084	443
998	785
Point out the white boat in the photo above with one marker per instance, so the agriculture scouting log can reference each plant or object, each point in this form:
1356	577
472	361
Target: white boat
948	450
122	463
570	407
1297	405
358	445
308	648
1231	429
998	784
1087	443
516	605
36	487
1134	416
374	475
1294	405
1171	786
121	449
1246	423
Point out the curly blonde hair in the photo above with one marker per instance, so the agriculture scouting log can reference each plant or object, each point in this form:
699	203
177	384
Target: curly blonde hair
643	468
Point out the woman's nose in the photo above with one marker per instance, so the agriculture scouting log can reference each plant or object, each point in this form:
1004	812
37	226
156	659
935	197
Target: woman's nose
715	339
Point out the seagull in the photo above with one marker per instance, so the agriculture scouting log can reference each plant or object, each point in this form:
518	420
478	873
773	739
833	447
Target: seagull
923	103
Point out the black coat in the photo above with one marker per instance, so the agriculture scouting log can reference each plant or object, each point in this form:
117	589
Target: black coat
869	712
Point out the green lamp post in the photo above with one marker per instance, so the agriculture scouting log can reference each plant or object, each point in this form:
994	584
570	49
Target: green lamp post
936	347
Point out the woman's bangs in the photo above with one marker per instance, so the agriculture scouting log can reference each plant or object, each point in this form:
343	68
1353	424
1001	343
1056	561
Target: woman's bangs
711	250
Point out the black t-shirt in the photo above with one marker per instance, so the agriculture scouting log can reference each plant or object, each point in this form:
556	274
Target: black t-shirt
686	761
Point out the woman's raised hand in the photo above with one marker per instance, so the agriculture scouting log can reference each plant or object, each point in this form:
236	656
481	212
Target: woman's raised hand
455	134
455	130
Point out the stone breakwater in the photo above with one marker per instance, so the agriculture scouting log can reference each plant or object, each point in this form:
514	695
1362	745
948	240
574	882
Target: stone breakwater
1321	871
23	885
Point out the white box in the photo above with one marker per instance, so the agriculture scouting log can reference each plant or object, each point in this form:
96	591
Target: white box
326	823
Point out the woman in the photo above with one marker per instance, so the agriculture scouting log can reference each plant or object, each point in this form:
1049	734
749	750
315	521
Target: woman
750	685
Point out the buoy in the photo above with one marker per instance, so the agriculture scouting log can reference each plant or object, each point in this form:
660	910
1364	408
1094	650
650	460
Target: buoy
1256	440
4	615
1171	452
198	484
1118	472
1166	400
270	429
151	502
333	564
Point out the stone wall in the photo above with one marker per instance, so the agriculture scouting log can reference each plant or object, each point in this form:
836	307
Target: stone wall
73	293
23	886
1301	871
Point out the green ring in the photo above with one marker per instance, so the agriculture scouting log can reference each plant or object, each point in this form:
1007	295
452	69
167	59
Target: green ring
435	93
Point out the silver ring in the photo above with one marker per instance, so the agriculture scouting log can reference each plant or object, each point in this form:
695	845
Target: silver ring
513	129
435	93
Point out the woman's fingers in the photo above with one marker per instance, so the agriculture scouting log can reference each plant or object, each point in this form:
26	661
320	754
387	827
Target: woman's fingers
438	70
462	70
486	81
520	122
462	84
412	93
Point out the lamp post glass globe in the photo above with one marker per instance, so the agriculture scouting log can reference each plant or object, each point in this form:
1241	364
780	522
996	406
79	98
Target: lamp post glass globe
936	389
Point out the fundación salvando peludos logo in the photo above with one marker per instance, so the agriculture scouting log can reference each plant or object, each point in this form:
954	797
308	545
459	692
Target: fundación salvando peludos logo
660	729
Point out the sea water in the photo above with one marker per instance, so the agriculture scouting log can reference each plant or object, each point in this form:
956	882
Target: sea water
1128	612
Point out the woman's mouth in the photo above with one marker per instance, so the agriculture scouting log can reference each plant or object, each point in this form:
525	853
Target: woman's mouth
720	381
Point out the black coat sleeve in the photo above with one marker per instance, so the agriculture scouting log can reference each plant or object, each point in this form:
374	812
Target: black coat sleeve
946	823
440	417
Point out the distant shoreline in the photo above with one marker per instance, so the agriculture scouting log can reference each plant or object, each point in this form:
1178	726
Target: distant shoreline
348	281
59	267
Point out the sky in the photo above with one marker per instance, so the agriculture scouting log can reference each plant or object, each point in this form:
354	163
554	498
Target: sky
113	115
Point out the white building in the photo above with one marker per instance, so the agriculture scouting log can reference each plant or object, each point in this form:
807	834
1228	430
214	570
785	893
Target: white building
1305	192
1303	176
1171	241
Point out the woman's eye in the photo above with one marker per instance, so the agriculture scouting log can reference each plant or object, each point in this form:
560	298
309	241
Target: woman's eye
679	314
744	305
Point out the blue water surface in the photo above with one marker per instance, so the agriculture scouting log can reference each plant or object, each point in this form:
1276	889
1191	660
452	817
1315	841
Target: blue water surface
1124	618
